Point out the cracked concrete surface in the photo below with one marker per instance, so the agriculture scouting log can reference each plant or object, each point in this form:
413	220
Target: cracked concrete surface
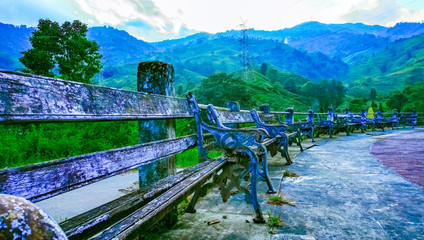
343	192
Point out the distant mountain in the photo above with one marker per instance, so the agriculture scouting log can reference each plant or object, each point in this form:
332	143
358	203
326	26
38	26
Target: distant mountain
340	40
169	44
13	41
404	30
118	46
399	63
313	50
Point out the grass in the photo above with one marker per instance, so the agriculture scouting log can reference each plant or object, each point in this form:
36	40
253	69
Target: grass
191	157
181	208
34	143
273	221
277	200
287	173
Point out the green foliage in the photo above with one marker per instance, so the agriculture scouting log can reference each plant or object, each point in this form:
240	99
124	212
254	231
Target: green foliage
182	207
373	94
397	100
67	45
328	93
273	221
180	90
380	107
357	104
222	87
33	143
258	89
398	64
411	98
187	158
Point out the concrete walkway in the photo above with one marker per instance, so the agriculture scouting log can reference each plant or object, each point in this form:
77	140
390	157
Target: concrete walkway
343	192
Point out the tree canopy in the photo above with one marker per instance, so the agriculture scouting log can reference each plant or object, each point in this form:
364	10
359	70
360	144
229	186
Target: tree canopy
65	46
328	93
222	87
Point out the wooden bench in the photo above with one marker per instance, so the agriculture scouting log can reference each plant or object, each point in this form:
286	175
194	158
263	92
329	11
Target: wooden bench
34	99
289	132
325	126
239	143
412	119
394	120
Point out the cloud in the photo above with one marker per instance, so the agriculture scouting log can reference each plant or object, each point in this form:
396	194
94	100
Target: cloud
408	15
154	20
141	18
383	12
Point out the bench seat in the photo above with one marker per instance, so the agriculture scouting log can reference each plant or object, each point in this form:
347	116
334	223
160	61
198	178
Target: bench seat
134	213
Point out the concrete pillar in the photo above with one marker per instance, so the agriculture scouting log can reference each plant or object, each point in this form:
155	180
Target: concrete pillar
267	113
235	107
265	108
158	78
289	115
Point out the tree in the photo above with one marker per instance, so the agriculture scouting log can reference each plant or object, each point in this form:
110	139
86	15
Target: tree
77	58
373	94
222	87
40	58
328	93
397	100
264	68
290	85
180	90
357	104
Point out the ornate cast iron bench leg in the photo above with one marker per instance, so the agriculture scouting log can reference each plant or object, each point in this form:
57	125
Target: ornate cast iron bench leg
233	141
274	131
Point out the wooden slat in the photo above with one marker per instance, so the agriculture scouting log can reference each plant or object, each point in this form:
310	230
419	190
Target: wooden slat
31	98
148	215
81	226
40	181
235	117
78	226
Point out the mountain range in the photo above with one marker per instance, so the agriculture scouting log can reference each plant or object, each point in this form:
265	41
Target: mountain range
360	55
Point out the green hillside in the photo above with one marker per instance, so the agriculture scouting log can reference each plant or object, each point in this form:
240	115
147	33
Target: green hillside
397	65
257	89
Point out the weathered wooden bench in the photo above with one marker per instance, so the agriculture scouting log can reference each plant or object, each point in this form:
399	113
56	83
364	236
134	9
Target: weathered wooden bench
394	120
325	126
34	99
367	122
412	119
306	127
379	121
294	130
239	143
288	131
29	99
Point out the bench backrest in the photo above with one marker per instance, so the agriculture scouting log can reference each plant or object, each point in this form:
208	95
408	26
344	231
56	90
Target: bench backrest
28	99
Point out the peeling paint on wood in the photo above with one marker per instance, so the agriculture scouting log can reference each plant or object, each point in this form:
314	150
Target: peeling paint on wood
124	205
148	215
40	181
40	99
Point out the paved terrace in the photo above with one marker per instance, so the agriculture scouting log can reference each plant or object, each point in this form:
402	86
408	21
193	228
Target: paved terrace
342	192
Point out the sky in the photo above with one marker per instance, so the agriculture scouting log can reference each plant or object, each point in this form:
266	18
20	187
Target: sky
156	20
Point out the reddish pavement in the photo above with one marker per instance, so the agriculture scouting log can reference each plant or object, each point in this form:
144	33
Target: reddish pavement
403	154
